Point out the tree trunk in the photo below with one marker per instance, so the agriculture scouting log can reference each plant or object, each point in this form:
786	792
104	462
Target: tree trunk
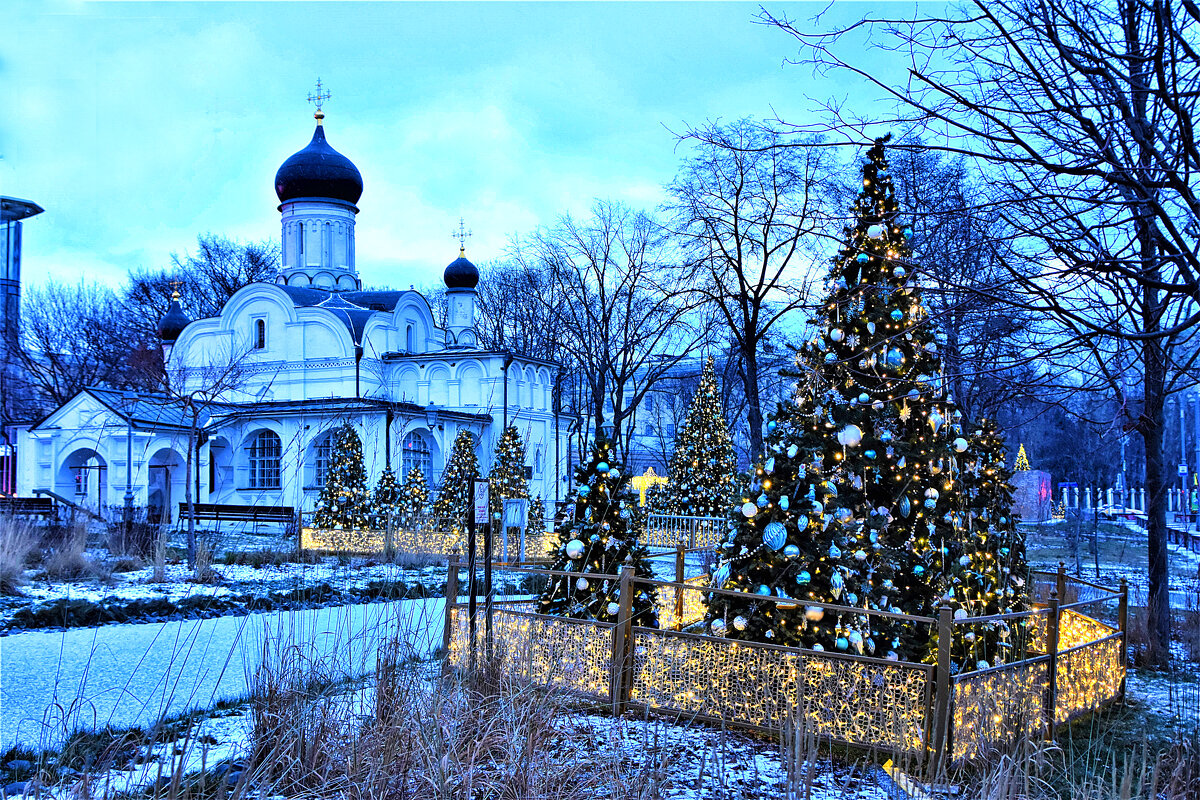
754	417
187	494
1158	605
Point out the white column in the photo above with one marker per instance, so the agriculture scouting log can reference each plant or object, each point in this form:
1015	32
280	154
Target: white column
1087	498
1142	499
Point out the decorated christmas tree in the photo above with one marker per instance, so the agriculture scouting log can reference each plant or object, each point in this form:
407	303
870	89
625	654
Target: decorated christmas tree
703	467
1022	464
343	502
857	500
414	496
507	478
450	507
386	505
596	538
537	515
994	570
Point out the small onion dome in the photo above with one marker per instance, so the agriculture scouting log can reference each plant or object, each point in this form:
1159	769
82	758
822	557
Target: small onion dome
318	171
461	274
173	322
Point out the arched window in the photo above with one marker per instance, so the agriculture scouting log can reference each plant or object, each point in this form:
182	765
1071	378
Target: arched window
321	455
264	454
260	334
408	339
415	451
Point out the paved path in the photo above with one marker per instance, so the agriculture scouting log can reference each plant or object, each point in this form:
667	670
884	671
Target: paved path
124	675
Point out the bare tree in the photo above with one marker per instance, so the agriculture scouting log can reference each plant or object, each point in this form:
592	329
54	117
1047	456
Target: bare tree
750	212
206	279
1082	117
614	287
71	339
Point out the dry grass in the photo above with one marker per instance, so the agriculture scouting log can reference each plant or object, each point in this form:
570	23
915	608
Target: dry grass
203	571
18	546
270	557
67	560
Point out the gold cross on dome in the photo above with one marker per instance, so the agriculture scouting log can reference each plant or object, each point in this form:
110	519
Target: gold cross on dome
462	234
319	98
175	284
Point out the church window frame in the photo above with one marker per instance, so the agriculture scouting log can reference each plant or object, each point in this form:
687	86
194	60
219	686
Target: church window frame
408	338
260	333
264	458
416	450
322	455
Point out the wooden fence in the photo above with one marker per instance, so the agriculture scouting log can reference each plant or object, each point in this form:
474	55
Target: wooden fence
1071	664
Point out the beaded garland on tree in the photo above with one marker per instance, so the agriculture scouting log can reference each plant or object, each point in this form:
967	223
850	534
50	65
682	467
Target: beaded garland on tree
703	466
857	501
597	537
343	503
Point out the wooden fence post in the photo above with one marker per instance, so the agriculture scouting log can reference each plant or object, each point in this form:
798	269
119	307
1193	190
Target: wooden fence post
679	568
1050	700
942	700
1123	624
1060	582
618	685
451	600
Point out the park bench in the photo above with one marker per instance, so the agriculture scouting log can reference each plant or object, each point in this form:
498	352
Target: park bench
231	512
27	507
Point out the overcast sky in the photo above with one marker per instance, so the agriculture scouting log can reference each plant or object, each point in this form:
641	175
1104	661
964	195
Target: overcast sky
138	126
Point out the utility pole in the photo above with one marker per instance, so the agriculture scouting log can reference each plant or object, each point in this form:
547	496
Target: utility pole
1184	500
128	397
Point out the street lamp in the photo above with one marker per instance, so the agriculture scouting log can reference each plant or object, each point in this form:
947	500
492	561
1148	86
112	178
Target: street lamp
129	397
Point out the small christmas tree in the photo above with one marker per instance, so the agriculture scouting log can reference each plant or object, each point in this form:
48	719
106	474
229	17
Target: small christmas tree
414	496
856	502
993	574
507	478
537	516
703	467
596	538
452	502
1022	464
386	505
343	503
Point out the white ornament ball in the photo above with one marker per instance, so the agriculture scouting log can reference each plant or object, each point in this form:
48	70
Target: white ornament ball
574	548
740	622
861	555
581	584
814	613
614	609
749	509
875	231
851	436
791	551
837	334
960	444
717	626
960	613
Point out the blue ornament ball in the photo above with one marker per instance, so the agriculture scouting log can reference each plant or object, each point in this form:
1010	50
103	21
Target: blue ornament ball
895	357
791	551
862	258
602	466
841	643
897	314
830	358
804	576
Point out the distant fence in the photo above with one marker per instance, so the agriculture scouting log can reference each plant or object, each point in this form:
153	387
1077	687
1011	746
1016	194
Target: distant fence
437	538
664	530
1069	664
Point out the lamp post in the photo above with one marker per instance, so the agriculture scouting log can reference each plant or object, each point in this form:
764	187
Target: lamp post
128	397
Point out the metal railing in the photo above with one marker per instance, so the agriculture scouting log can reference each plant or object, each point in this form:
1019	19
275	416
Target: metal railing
665	530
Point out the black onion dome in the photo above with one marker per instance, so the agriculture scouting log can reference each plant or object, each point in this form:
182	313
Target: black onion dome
461	274
172	323
318	171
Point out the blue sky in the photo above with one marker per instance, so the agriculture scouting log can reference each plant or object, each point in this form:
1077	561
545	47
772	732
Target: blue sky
138	126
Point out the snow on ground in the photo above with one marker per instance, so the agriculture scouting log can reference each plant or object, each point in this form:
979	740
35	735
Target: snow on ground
137	674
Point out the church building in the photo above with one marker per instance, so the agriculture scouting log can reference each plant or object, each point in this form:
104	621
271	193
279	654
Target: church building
286	363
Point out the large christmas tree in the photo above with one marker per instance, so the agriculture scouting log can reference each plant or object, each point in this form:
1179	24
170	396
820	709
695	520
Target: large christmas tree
857	501
450	507
343	502
994	571
597	538
507	478
703	467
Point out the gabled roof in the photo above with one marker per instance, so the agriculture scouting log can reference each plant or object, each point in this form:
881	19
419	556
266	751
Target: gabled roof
147	410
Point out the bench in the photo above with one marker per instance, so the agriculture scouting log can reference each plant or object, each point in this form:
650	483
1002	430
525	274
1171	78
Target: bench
28	507
230	512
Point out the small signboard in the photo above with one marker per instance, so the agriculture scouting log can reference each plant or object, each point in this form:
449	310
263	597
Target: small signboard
481	502
516	513
1183	469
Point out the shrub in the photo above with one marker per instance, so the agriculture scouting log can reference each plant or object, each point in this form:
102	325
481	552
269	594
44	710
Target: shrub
138	541
18	545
